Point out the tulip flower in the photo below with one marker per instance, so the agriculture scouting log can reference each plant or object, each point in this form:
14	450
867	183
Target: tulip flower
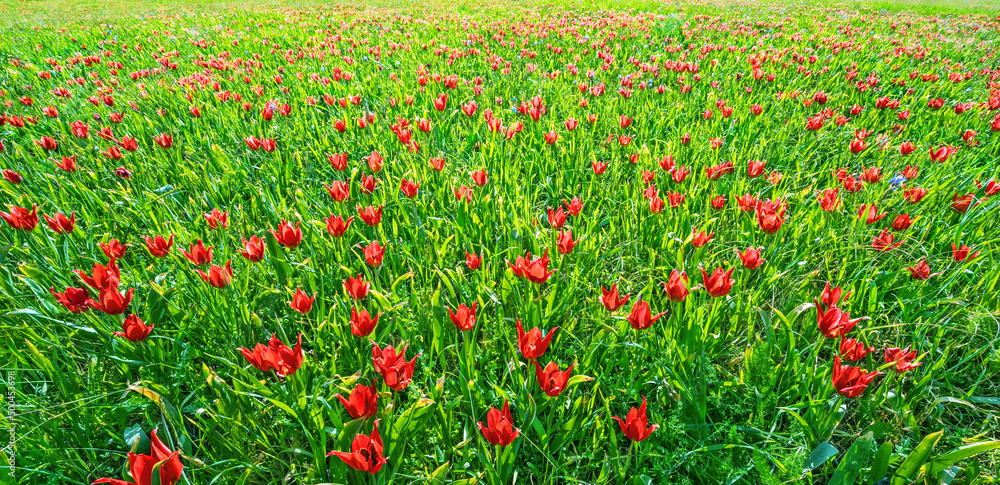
464	318
700	239
834	322
408	188
198	253
159	247
676	289
20	218
962	203
362	402
641	317
921	271
337	226
253	249
104	277
551	379
60	224
111	302
339	190
134	329
499	429
870	213
719	202
370	215
67	164
885	241
831	296
914	194
362	323
288	236
374	253
472	261
74	299
557	218
141	466
770	216
755	168
534	270
751	257
902	358
719	283
853	350
392	365
217	276
113	249
902	222
276	356
849	381
357	287
366	453
12	177
301	302
960	254
480	177
217	219
636	424
599	167
611	300
565	242
574	206
531	343
941	153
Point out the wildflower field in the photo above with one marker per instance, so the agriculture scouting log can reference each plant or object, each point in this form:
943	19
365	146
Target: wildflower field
501	243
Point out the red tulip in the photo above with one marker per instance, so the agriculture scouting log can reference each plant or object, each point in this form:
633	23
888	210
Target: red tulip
751	257
921	271
157	246
275	356
253	249
472	261
370	215
362	323
655	204
113	249
374	253
676	289
857	145
885	241
941	153
834	322
134	329
902	222
611	300
217	218
339	190
480	177
770	216
338	161
755	168
719	283
20	218
301	302
870	213
337	226
914	194
531	343
198	254
366	453
112	302
464	318
700	238
831	296
641	317
599	167
288	236
357	287
636	424
362	402
557	218
374	161
960	254
902	358
141	466
565	242
551	379
849	381
67	164
499	429
392	365
12	177
962	203
60	224
74	299
368	183
719	202
408	188
217	276
104	277
574	206
165	140
47	142
853	350
534	270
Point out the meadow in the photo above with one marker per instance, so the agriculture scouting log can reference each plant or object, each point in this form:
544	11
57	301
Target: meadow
500	242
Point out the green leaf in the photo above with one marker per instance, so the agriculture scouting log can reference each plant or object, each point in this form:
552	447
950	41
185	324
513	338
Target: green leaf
940	463
908	471
880	467
820	455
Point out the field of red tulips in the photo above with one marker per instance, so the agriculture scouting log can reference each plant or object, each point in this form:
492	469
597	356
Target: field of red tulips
553	244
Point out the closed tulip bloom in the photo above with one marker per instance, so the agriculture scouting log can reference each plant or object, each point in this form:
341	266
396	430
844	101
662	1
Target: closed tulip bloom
574	206
677	290
276	356
921	271
357	287
21	218
362	323
914	194
104	277
374	253
217	276
339	190
565	242
853	350
134	329
368	183
656	204
531	343
74	299
770	216
941	153
751	257
557	218
464	318
636	423
67	164
337	226
47	142
499	429
159	247
902	222
599	167
551	379
962	203
902	358
408	188
287	235
198	253
885	241
472	261
834	322
392	365
60	224
719	202
253	249
12	177
611	300
370	215
719	283
362	402
338	161
755	168
217	219
141	467
832	295
112	302
849	381
113	249
641	317
366	453
700	239
960	254
870	214
480	177
301	302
